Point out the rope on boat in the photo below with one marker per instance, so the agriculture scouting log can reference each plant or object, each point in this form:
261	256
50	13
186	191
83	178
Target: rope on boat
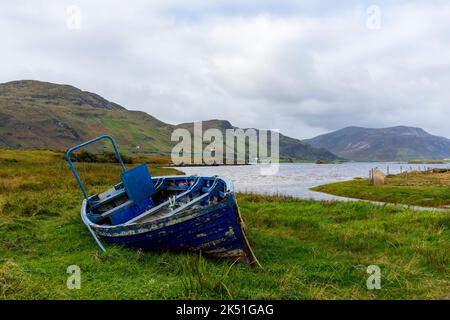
172	202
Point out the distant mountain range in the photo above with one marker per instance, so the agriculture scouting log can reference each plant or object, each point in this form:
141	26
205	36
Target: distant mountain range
36	114
387	144
290	148
44	115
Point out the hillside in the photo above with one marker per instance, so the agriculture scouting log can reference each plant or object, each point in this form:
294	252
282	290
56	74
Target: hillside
290	148
44	115
386	144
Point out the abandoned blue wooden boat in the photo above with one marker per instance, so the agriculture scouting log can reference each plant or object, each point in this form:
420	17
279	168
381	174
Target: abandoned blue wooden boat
179	213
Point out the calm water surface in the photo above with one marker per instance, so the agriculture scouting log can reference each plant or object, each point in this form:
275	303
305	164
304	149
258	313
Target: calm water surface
295	179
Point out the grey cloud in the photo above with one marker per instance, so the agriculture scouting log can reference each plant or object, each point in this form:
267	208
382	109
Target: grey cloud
304	69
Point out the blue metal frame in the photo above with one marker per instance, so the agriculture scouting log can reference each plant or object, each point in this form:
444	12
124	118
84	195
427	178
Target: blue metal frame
104	136
77	177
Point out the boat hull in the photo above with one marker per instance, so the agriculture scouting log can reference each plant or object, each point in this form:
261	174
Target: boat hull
215	230
194	213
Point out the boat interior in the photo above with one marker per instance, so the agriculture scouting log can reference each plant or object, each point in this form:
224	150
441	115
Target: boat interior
139	198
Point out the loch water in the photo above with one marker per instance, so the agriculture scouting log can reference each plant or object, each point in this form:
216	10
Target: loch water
296	179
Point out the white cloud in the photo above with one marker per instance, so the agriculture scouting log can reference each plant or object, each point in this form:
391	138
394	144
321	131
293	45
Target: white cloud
303	68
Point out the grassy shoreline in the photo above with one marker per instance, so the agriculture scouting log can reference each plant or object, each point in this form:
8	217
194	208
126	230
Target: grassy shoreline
428	162
308	249
425	189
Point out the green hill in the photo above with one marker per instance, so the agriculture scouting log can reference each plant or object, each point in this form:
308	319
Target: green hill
44	115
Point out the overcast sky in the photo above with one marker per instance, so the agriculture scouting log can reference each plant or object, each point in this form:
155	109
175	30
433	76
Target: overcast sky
304	67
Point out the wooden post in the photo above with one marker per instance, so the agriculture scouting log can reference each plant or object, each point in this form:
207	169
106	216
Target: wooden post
371	176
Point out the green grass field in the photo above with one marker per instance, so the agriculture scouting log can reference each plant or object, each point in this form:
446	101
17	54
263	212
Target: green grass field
428	161
307	249
412	188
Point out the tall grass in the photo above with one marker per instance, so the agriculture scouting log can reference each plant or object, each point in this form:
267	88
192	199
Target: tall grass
200	280
308	249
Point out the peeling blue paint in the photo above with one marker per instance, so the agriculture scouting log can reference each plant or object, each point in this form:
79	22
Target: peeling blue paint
179	213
